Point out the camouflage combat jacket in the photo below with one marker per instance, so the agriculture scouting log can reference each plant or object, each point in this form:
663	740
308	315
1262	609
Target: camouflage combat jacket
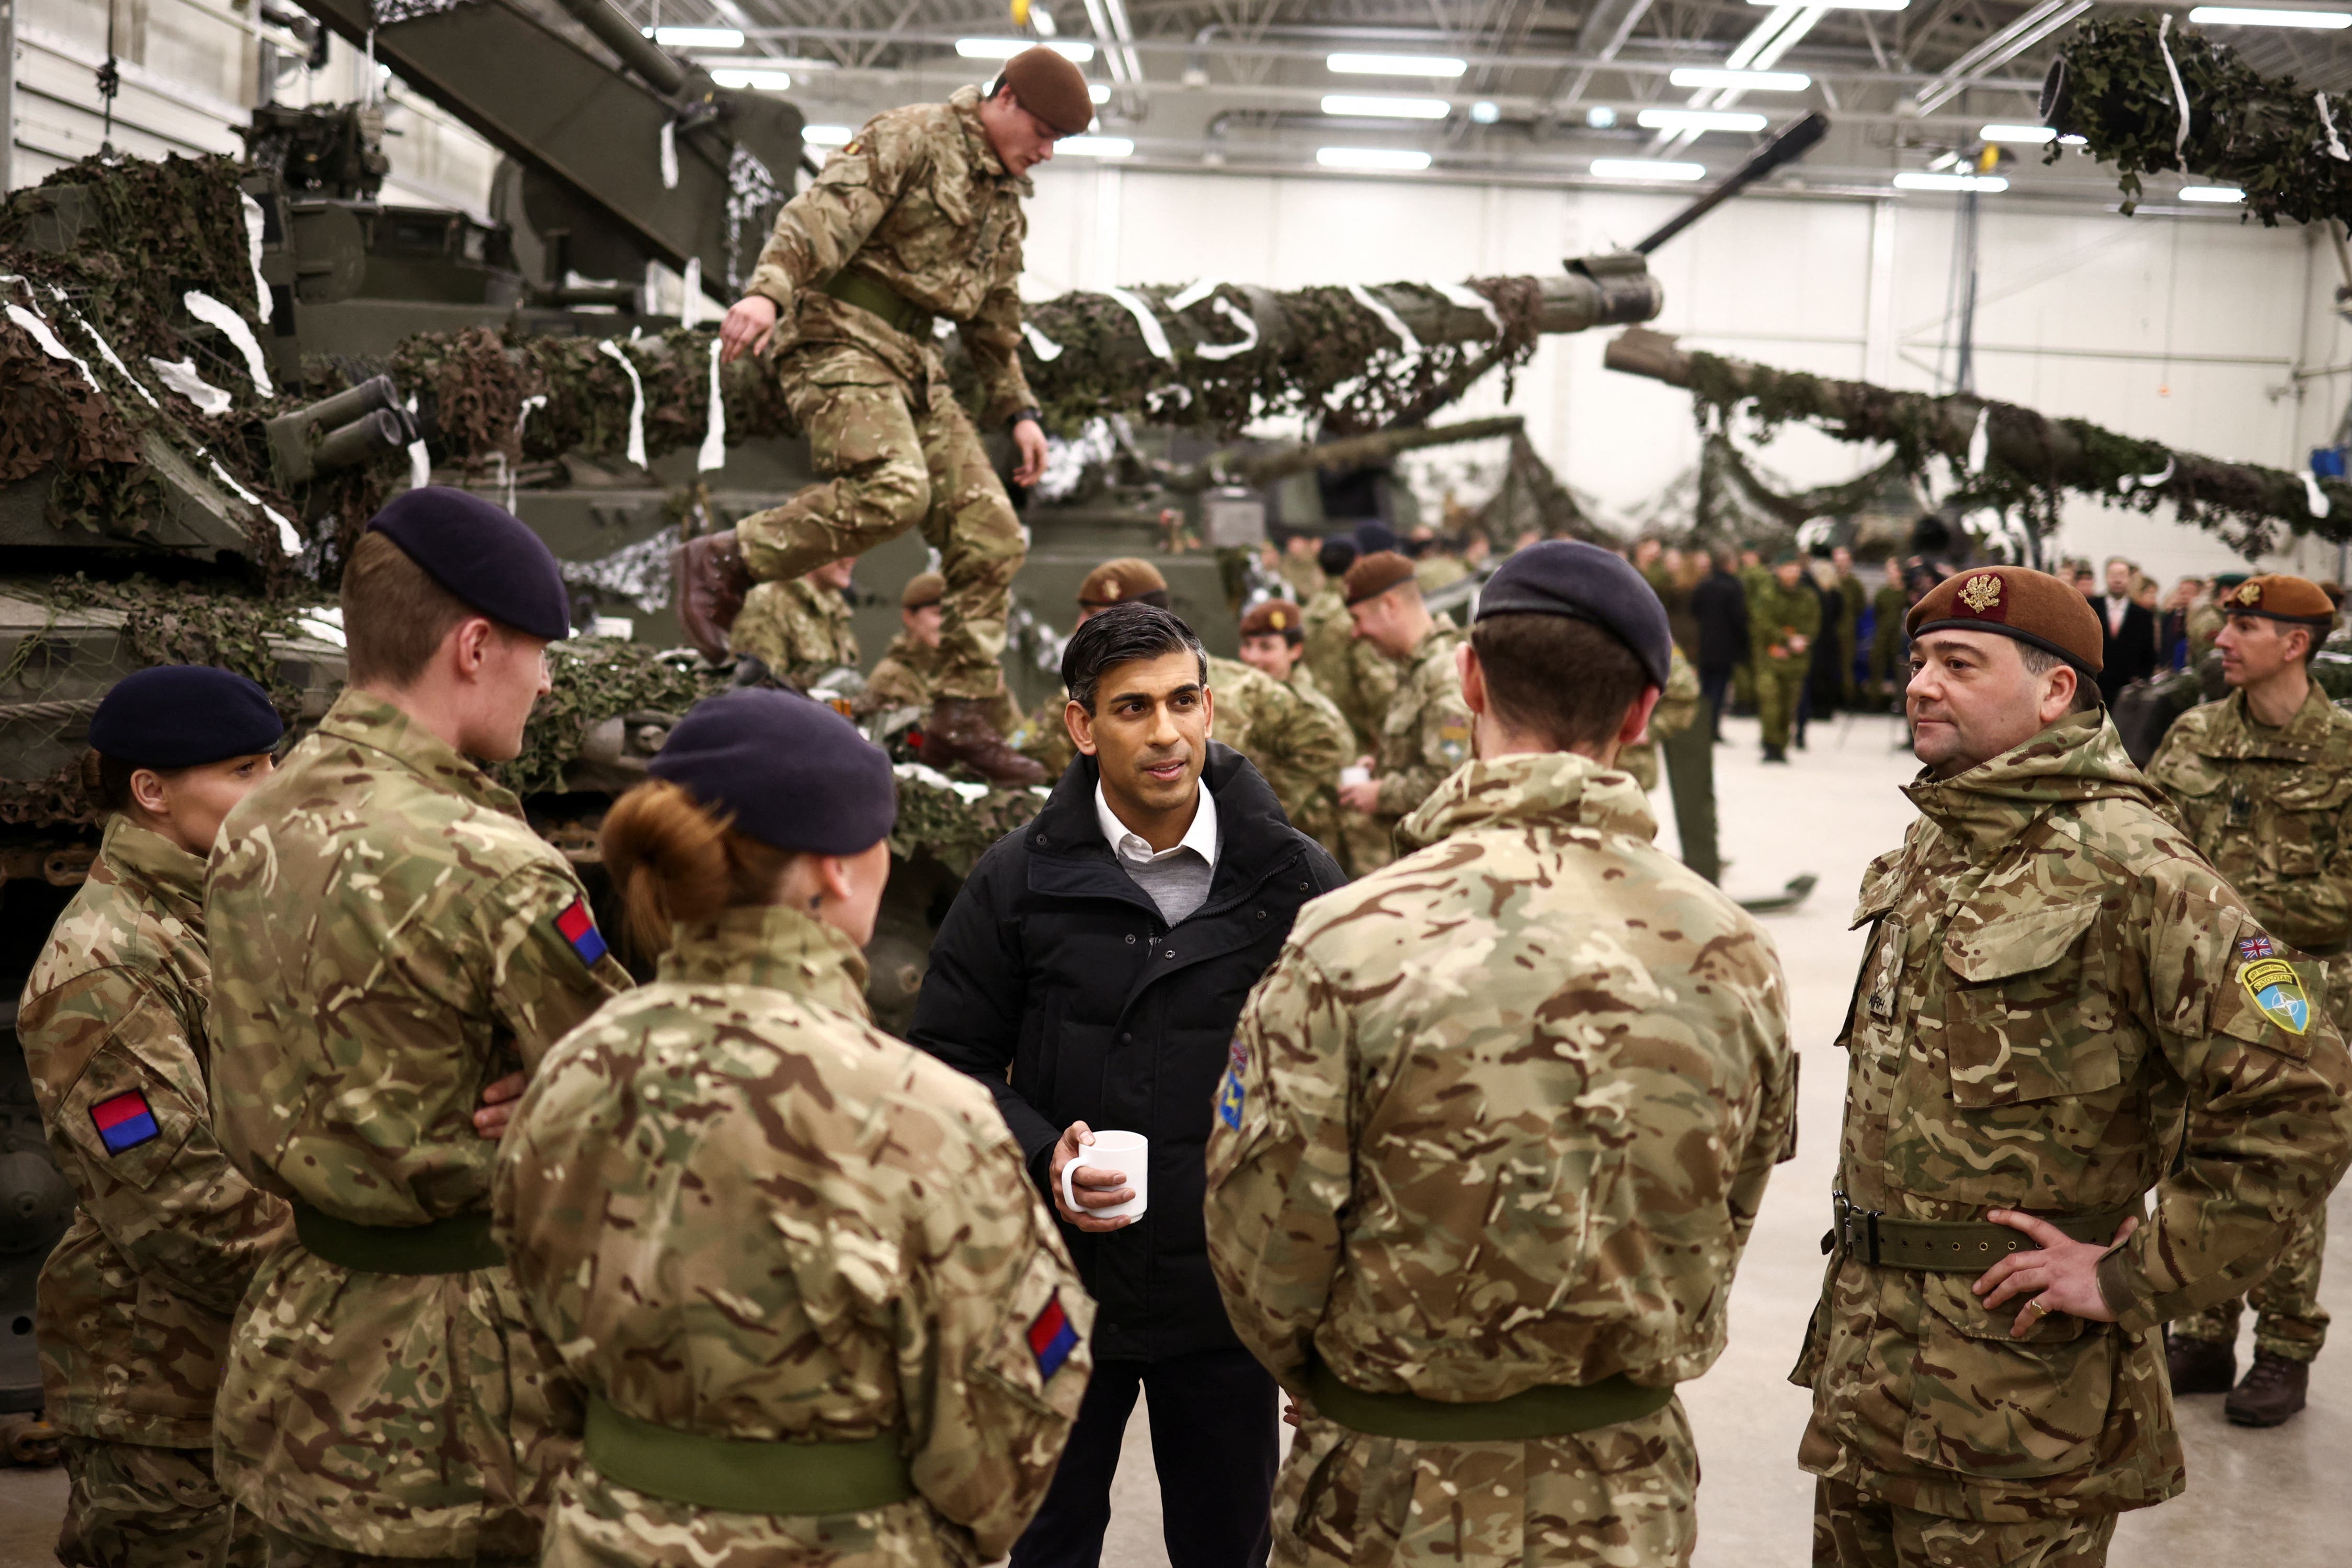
1402	1183
1425	733
1677	708
134	1304
2271	810
800	630
2058	1012
1775	615
391	936
1360	680
921	202
905	676
742	1210
1291	740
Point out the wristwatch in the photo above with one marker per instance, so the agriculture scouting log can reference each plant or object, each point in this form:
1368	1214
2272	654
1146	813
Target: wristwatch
1019	414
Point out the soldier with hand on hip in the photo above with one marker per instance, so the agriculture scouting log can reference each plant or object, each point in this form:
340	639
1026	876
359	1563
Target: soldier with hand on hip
2063	1012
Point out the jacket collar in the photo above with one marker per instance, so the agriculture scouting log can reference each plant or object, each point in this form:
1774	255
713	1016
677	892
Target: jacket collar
978	150
774	946
2303	738
360	719
1553	788
151	866
1068	849
2080	757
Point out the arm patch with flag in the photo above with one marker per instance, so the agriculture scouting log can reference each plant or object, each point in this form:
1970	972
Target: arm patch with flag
1052	1337
125	1122
578	927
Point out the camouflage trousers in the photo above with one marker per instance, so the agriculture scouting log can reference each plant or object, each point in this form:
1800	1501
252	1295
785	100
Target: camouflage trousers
2288	1319
891	465
1621	1495
1778	683
293	1551
131	1505
1854	1530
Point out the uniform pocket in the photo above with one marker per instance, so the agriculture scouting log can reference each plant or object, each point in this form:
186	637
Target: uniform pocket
2029	1020
1996	1408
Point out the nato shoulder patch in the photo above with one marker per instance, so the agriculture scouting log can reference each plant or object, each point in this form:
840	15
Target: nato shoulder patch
1230	1095
2277	992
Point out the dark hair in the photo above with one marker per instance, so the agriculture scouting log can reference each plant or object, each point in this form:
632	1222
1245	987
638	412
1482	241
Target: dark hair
1567	680
106	780
395	614
2042	661
1120	635
1334	557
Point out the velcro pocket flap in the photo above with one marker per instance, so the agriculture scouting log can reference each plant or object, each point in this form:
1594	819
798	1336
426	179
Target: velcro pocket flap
2020	944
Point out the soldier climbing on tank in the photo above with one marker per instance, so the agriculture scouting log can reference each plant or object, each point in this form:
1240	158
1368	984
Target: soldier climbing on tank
915	220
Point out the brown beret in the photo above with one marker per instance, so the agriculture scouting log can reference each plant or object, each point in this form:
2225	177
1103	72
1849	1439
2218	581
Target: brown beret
2278	597
1052	88
923	591
2016	601
1116	581
1375	575
1275	618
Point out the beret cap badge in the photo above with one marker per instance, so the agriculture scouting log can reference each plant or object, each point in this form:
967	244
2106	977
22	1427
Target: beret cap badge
2250	593
1981	592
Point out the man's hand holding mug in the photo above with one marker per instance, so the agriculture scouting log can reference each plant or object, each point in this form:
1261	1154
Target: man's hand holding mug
1101	1182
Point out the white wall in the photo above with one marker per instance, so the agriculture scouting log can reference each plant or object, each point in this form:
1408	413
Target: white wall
2184	330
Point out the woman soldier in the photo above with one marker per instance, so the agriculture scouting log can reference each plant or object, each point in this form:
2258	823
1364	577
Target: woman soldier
809	1296
134	1304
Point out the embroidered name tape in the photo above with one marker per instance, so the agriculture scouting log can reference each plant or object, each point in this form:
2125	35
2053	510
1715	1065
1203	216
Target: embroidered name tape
125	1122
578	927
1052	1337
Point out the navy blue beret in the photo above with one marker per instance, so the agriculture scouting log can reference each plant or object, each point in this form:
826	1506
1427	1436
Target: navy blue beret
482	553
184	716
1585	582
792	772
1373	536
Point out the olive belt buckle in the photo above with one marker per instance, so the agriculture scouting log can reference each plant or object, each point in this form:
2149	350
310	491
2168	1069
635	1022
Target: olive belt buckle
1861	1238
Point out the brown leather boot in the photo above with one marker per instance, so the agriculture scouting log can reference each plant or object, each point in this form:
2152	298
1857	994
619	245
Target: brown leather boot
2274	1390
2200	1366
710	581
958	731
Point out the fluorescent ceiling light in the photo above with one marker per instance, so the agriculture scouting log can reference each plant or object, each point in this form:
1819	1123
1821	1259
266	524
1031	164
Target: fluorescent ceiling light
2211	193
1747	81
1396	66
1845	5
1005	48
756	81
1095	146
1914	180
2241	16
1348	104
1386	158
1485	111
1646	169
695	38
1601	116
2021	135
1097	92
1700	119
826	135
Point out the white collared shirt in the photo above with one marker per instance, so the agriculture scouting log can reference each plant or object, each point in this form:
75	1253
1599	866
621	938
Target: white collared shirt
1177	880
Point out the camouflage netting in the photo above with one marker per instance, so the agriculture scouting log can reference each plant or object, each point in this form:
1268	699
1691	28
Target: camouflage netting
953	830
595	678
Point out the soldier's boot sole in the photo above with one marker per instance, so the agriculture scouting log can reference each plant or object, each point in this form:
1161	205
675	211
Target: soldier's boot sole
2275	1388
2200	1366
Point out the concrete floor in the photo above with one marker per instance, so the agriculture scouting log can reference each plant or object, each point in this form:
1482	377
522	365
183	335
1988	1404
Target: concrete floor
2265	1497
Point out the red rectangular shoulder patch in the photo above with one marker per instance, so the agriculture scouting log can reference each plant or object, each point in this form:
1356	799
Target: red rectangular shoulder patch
578	927
125	1122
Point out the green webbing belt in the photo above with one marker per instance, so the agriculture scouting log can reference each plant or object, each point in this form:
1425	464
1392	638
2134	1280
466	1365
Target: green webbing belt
871	294
456	1245
1552	1412
1952	1246
745	1476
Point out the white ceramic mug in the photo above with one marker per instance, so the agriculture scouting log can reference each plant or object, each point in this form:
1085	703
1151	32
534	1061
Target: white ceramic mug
1130	1155
1355	775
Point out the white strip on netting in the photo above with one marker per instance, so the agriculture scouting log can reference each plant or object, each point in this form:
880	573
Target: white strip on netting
714	435
1389	319
38	330
180	376
1155	337
253	226
1248	341
1044	348
1470	299
636	401
235	327
750	187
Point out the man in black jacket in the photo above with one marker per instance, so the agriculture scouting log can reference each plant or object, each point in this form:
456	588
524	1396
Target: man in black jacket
1090	973
2129	633
1720	605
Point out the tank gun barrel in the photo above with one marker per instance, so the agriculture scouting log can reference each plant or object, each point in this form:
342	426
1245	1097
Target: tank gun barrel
1786	148
1237	466
636	51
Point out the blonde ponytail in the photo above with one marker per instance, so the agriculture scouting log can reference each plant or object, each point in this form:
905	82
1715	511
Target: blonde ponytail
673	861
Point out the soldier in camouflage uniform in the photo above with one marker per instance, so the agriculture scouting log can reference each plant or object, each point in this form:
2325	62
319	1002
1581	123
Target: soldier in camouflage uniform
1360	679
1677	710
390	937
133	1313
1480	1269
1425	733
909	669
799	630
900	1346
2062	1007
1273	639
2264	780
916	219
1888	606
1784	616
